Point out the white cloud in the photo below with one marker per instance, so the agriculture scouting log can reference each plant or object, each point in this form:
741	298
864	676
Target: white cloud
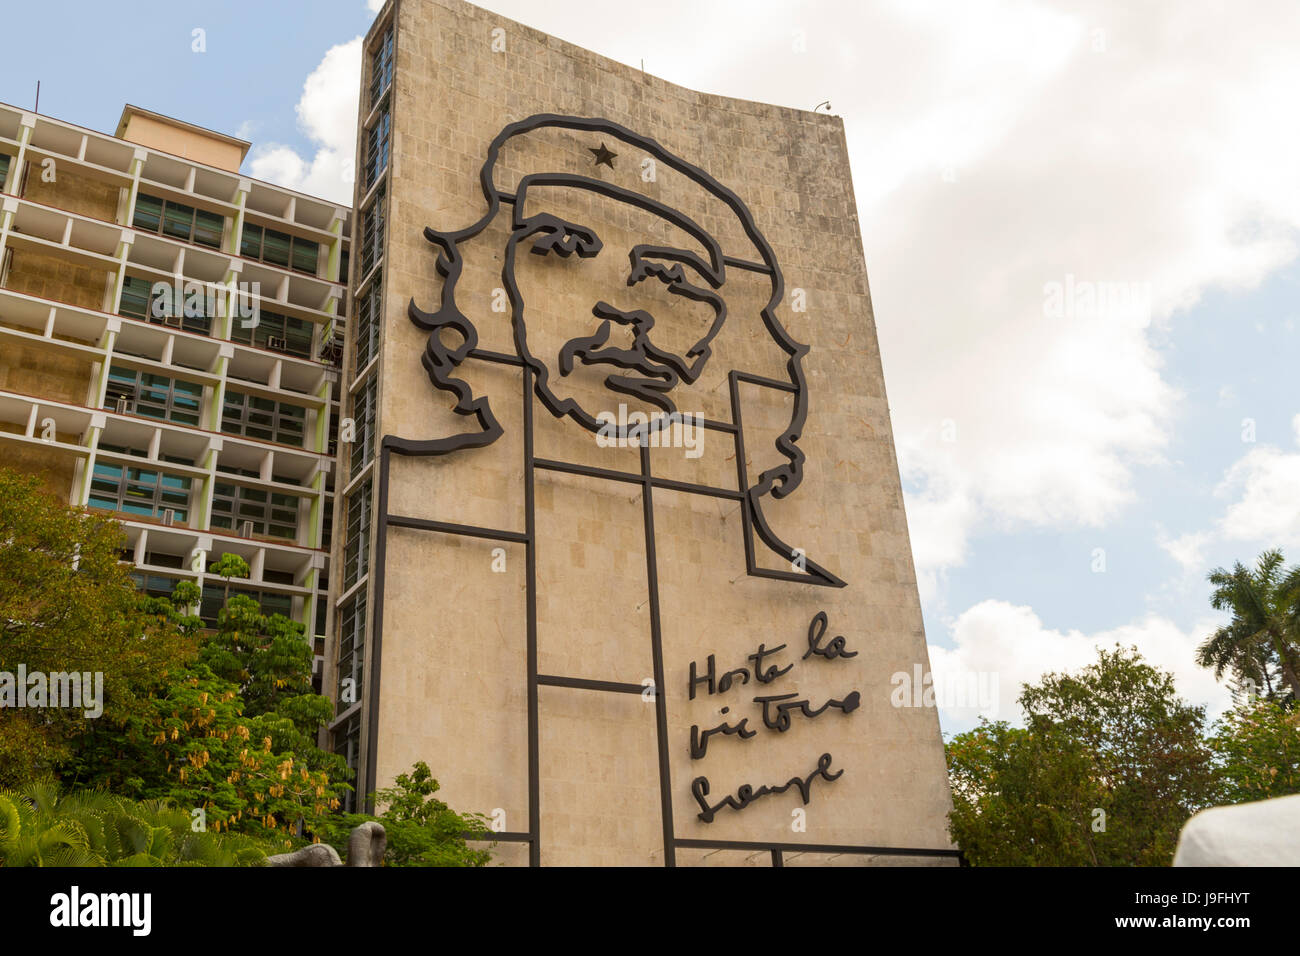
1011	641
327	114
1119	143
1266	511
1187	549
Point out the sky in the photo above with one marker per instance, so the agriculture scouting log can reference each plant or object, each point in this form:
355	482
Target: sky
1080	224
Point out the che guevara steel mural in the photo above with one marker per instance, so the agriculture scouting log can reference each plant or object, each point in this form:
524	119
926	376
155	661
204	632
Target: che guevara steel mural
637	363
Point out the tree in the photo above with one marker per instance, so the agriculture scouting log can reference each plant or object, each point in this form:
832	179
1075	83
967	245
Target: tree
1110	765
68	605
1263	638
1258	749
421	829
231	732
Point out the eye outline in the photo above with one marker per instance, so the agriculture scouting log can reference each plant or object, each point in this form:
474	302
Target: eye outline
550	234
647	260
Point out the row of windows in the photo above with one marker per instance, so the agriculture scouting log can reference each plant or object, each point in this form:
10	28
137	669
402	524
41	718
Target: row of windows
280	249
372	232
178	221
351	652
364	414
369	317
154	396
356	538
377	147
278	333
137	302
214	596
139	492
271	513
264	419
381	67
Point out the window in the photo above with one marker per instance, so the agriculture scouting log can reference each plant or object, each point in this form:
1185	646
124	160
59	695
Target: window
139	492
363	414
138	302
356	549
263	419
327	529
381	66
214	599
372	233
369	315
4	169
280	249
347	744
351	659
377	147
272	514
178	221
155	585
344	260
291	336
154	396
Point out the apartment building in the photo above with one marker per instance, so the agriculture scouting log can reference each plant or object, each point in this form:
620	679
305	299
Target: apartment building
170	338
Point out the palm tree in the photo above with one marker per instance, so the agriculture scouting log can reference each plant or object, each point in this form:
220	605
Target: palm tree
1264	632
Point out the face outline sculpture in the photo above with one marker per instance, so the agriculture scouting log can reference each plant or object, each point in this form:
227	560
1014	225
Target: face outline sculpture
644	353
641	367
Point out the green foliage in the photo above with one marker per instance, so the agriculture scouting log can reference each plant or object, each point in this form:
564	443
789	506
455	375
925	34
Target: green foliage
421	829
67	604
41	827
1258	749
1113	738
1260	646
232	731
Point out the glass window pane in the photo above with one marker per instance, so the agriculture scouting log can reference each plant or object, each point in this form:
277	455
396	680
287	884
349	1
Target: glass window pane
251	245
208	227
306	255
178	220
148	212
275	248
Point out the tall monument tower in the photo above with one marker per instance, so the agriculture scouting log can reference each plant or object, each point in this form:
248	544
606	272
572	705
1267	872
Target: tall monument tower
624	556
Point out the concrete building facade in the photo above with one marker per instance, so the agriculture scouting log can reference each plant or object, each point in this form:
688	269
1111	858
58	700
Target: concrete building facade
170	335
622	549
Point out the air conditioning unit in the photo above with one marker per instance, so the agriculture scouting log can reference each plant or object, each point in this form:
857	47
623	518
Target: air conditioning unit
168	517
122	405
245	529
276	343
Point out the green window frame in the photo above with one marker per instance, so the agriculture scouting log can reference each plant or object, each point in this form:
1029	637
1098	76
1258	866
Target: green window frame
178	221
273	513
264	419
137	302
295	334
155	396
138	492
214	599
280	249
